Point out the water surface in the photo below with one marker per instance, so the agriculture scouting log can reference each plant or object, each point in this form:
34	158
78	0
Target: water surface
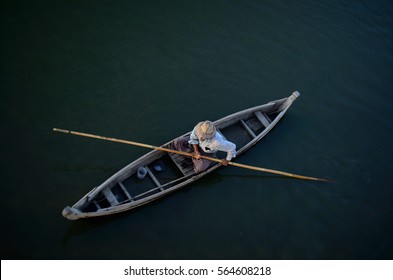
148	71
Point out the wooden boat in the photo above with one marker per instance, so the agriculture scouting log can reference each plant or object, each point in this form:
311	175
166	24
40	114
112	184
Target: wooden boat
159	173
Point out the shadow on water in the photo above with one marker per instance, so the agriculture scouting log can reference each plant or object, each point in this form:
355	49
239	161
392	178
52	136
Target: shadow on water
82	226
77	228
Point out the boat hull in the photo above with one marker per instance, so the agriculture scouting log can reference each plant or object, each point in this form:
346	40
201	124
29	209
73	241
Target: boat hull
165	172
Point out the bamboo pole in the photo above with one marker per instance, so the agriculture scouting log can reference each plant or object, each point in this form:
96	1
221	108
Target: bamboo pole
189	155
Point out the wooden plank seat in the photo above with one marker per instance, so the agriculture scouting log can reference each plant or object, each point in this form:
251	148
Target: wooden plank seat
125	191
184	164
263	118
110	196
154	179
249	130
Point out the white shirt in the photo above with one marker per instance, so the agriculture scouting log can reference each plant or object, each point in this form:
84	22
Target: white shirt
217	143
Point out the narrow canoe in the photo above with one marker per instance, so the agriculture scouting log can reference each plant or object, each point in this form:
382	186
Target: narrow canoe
159	173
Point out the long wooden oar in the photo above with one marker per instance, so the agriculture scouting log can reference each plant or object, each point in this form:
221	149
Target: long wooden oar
189	155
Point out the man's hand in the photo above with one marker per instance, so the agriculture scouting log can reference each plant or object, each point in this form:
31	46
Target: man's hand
197	155
224	161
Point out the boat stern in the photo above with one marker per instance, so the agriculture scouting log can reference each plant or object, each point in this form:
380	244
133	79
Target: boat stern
289	100
295	94
71	213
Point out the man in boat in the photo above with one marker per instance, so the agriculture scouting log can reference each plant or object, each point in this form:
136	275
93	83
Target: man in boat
205	140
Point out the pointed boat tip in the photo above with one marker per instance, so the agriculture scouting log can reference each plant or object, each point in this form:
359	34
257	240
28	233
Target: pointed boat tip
296	94
69	213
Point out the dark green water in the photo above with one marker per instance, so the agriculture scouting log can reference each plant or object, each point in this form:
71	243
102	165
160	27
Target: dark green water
148	71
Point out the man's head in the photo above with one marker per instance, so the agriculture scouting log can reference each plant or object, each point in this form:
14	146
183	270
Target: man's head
205	130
